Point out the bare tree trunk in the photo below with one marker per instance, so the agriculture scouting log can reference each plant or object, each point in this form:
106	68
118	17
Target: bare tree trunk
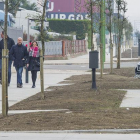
119	38
101	60
111	57
5	24
42	26
101	45
91	10
111	47
42	51
119	52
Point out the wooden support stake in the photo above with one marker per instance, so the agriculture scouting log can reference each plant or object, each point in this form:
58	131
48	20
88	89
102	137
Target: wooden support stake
42	75
4	82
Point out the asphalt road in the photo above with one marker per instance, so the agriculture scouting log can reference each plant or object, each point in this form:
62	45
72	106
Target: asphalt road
86	67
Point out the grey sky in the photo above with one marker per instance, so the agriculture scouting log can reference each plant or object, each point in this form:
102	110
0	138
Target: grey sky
133	12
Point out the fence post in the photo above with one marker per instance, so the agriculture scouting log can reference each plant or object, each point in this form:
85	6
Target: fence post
78	46
131	53
63	48
84	48
42	75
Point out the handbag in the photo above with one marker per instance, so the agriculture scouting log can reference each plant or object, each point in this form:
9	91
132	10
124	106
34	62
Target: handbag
37	63
24	62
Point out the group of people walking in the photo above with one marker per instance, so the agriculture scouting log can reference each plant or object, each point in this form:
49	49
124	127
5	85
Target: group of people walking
21	56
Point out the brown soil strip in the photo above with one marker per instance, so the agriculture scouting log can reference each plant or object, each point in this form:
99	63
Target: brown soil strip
90	109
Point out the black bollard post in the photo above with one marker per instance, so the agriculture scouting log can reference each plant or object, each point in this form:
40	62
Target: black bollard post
26	75
93	64
94	79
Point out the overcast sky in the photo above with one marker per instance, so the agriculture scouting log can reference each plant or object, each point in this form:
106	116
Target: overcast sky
133	12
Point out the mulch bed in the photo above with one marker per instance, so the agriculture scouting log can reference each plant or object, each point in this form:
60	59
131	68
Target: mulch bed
89	109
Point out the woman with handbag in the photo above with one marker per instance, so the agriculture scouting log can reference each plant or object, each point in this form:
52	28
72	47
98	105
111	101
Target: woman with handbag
33	63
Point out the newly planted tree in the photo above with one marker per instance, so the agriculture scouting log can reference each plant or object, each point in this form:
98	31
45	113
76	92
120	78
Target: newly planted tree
122	9
90	7
110	13
5	66
96	12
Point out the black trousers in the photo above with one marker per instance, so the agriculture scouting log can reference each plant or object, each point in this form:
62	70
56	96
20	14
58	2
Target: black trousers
34	76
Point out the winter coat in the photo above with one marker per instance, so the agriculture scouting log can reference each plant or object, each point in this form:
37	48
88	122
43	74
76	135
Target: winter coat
19	52
10	43
32	61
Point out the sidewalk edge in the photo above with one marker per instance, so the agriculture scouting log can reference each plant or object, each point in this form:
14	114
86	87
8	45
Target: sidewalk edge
96	131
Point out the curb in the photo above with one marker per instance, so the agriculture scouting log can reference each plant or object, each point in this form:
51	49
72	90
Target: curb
96	131
71	63
66	63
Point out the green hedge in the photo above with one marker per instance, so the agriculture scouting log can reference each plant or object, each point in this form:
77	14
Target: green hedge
79	27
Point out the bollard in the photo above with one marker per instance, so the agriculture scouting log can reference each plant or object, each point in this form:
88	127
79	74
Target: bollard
26	75
94	79
93	64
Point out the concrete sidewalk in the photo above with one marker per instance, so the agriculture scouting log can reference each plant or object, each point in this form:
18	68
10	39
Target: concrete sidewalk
51	78
66	136
131	99
84	59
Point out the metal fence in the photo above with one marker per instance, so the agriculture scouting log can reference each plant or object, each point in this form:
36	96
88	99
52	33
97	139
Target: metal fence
56	48
13	33
53	48
74	47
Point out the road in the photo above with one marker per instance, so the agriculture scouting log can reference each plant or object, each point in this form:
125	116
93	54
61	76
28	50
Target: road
67	136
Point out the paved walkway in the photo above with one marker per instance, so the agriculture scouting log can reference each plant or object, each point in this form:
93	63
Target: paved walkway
131	99
66	136
51	78
84	59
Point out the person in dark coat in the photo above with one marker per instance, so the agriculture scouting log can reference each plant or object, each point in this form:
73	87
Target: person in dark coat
10	43
20	54
33	62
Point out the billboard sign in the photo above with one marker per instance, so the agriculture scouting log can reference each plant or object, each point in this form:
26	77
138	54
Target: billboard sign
65	9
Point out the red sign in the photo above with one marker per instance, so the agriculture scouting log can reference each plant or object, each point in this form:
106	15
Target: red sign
65	6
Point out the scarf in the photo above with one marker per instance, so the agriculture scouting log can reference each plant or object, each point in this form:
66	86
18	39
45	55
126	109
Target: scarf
34	51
